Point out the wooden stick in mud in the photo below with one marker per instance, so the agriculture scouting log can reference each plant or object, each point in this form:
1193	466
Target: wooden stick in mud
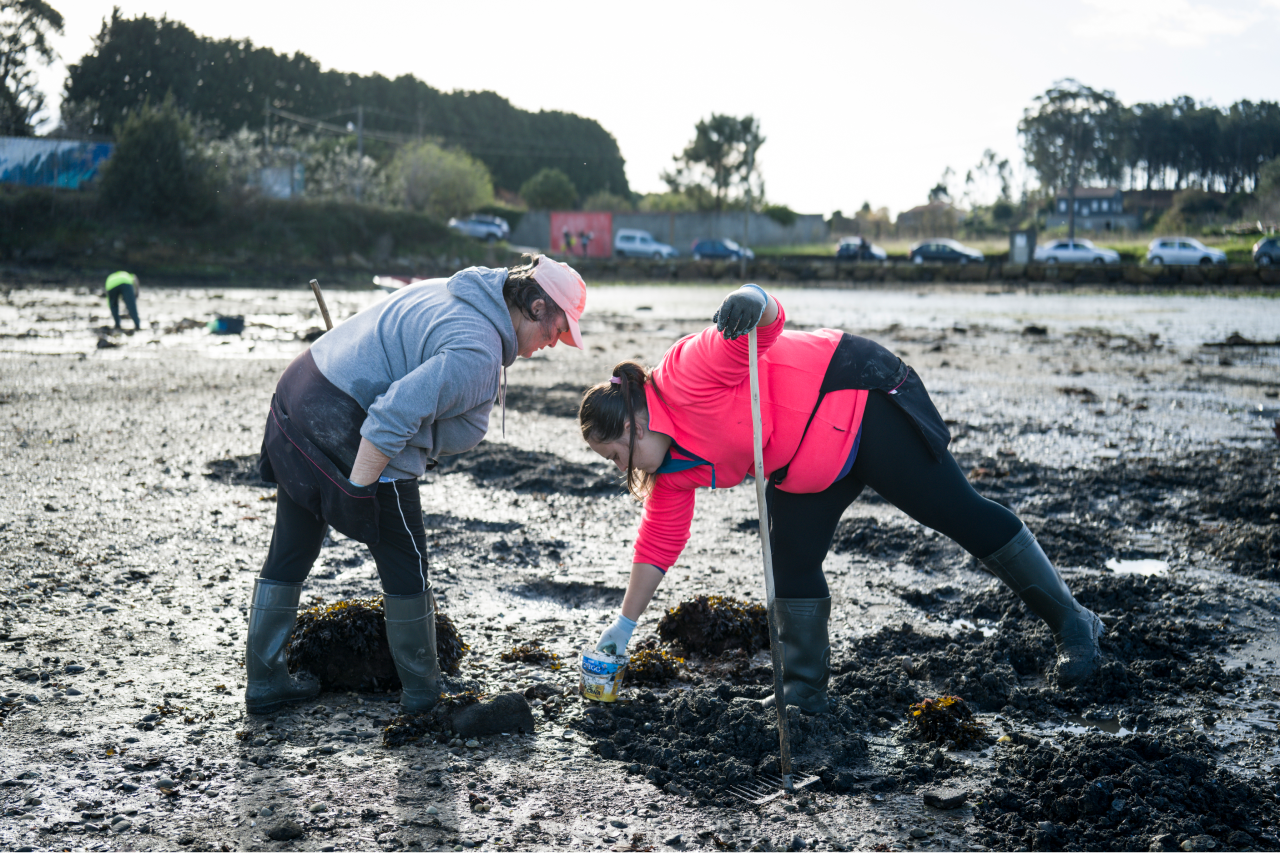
324	309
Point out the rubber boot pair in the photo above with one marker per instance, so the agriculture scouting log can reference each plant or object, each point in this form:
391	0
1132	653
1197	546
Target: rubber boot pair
411	634
806	652
1023	566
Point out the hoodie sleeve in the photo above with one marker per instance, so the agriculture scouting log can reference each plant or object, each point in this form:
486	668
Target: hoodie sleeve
708	361
450	384
668	516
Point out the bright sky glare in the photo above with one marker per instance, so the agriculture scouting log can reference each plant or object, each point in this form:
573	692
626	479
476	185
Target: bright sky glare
858	101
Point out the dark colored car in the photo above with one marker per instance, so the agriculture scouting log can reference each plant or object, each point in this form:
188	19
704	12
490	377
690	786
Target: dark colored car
1266	252
720	250
944	251
859	249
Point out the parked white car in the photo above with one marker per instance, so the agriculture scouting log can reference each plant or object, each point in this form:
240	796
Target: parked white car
1075	252
482	226
1182	250
634	243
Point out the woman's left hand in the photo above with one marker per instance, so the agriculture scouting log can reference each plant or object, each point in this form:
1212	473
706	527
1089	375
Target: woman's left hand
741	311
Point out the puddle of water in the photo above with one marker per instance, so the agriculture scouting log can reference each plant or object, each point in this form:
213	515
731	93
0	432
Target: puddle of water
1149	568
987	629
1079	725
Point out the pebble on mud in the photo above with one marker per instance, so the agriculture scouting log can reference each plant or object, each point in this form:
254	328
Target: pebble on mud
944	798
286	830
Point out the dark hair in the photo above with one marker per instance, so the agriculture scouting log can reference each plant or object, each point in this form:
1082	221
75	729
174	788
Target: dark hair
521	292
608	408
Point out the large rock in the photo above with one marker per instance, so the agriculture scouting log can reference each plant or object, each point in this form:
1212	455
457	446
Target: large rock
506	712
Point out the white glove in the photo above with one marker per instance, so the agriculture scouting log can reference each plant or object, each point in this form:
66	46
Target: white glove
615	638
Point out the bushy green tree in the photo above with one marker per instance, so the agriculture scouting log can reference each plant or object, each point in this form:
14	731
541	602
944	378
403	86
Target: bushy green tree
158	171
721	158
1070	136
25	26
438	181
550	189
227	81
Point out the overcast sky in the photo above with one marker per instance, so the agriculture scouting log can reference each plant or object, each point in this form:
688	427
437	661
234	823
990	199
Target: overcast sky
859	102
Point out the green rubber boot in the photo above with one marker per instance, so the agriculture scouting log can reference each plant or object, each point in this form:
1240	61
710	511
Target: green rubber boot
806	652
411	633
1023	566
272	614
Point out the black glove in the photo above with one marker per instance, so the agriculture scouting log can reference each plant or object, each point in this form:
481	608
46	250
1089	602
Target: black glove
741	311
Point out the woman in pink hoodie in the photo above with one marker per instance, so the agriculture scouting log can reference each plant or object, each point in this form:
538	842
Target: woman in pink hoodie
839	413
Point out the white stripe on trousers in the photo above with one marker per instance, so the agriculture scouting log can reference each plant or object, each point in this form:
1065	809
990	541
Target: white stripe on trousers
421	574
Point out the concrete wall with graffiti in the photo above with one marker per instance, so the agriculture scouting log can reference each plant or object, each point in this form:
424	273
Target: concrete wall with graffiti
63	163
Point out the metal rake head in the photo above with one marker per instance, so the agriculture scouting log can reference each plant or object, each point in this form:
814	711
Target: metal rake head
766	789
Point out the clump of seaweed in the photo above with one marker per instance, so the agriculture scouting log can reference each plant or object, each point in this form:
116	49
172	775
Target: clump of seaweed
531	652
712	624
430	726
947	718
653	667
344	644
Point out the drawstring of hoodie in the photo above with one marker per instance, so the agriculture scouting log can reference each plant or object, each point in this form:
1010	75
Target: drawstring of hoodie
502	399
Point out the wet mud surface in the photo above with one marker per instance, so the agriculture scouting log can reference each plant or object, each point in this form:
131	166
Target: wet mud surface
132	524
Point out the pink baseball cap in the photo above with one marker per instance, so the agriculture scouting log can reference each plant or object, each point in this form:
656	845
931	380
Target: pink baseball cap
563	284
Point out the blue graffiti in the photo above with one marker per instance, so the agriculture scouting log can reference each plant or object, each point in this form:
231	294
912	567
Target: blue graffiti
62	163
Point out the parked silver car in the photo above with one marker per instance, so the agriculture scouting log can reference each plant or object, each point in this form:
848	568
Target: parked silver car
482	226
1075	252
1182	250
634	243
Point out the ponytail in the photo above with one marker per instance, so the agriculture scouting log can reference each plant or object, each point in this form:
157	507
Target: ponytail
610	408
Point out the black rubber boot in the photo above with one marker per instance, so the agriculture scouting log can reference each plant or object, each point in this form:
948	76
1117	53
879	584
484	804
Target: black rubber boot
1023	566
272	614
806	652
411	633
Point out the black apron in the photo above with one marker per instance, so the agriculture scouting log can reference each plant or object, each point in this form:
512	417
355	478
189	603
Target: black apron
310	444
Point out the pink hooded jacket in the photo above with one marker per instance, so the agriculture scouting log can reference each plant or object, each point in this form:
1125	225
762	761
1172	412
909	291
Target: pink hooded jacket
703	401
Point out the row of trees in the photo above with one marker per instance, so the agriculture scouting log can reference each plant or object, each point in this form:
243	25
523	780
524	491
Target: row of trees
1074	134
227	84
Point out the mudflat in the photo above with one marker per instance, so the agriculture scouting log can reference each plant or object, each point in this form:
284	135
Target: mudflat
1133	434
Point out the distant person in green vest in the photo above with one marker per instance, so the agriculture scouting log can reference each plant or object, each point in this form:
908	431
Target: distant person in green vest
123	285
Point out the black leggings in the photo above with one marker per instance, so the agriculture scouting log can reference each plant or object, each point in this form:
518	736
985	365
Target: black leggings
401	552
894	460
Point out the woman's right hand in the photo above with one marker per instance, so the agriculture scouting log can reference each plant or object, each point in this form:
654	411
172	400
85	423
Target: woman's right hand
615	638
741	311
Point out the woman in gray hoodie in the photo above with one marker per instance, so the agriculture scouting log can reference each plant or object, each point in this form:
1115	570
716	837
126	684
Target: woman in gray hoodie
359	417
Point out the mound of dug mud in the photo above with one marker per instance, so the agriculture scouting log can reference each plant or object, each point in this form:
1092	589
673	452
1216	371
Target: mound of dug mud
237	471
896	542
704	740
1151	648
502	466
1133	793
1226	502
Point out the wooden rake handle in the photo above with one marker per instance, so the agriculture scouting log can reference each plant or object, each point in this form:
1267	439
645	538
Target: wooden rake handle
775	645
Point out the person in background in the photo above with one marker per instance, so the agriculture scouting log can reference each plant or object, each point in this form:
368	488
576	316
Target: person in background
358	417
840	413
123	285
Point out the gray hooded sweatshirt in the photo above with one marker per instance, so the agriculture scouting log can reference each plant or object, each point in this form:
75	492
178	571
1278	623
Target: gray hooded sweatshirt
425	364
